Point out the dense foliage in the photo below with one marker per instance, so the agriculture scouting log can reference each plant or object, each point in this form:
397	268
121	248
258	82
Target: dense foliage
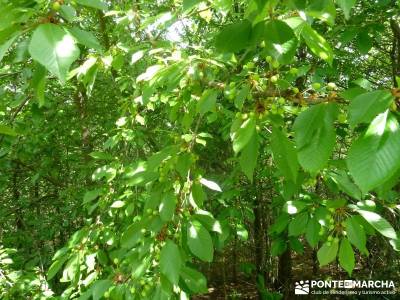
142	142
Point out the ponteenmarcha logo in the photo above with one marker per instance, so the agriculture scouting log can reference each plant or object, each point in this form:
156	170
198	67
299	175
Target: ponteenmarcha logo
345	287
302	287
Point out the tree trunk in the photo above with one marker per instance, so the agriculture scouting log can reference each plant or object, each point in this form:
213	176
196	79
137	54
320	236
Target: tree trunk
285	274
395	54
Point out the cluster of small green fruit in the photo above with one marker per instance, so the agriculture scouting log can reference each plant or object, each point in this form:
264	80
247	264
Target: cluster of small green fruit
331	86
230	91
277	107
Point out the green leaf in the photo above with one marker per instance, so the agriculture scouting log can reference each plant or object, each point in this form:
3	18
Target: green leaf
118	204
244	134
317	44
170	261
285	155
207	102
199	241
356	234
188	4
234	37
132	235
167	206
68	12
99	155
379	223
7	130
248	157
395	244
161	293
352	93
86	38
345	184
104	172
56	266
39	83
71	269
223	6
278	247
328	252
242	95
298	225
93	3
198	195
296	245
346	256
294	207
100	287
210	184
7	44
324	10
242	232
365	107
312	232
364	42
346	6
280	41
54	48
91	195
194	280
315	136
375	157
208	220
280	223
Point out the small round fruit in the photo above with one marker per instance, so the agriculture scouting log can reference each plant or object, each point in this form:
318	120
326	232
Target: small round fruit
331	86
316	85
342	118
275	64
274	78
107	294
250	65
330	238
268	59
331	227
294	71
149	211
336	240
281	100
116	261
295	90
56	6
